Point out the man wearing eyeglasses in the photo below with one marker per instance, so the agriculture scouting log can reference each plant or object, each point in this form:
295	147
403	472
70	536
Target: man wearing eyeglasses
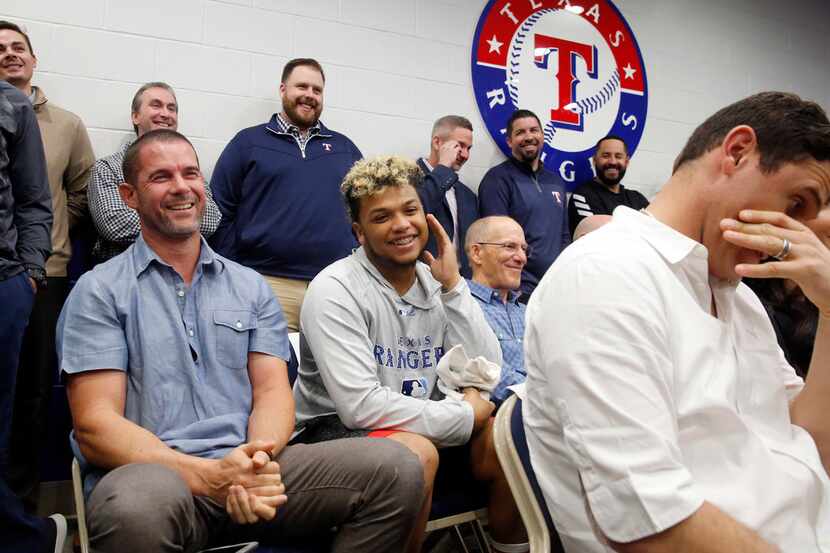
498	252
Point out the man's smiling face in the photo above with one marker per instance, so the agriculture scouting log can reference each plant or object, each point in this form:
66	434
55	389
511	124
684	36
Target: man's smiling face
158	110
17	62
302	96
392	226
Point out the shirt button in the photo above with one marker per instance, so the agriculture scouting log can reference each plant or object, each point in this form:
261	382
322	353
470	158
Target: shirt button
190	332
180	293
238	324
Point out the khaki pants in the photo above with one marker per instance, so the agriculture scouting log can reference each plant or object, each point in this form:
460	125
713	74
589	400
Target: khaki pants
290	293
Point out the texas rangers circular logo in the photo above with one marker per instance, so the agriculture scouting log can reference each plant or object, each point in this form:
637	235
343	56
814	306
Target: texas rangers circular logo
574	63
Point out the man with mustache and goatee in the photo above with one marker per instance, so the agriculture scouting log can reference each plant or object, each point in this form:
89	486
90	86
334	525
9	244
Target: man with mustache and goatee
534	197
278	188
602	194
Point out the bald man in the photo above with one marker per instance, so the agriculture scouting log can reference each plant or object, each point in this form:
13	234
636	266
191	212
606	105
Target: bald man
590	224
497	250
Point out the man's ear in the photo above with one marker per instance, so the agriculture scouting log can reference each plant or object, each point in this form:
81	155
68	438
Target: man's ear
358	231
128	194
474	254
737	148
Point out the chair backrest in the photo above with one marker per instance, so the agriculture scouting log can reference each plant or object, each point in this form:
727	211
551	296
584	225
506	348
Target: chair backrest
514	456
80	506
294	362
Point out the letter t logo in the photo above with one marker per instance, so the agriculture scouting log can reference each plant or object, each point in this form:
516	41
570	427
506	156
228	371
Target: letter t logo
567	53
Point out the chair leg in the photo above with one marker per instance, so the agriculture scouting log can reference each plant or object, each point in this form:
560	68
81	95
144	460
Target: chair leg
80	507
460	539
481	536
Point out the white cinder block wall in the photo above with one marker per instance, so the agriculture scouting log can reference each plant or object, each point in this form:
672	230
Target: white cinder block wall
393	66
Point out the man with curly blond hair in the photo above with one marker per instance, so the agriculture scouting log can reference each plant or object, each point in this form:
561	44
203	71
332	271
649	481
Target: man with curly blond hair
375	326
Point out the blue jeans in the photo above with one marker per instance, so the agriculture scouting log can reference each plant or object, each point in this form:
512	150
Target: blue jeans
21	532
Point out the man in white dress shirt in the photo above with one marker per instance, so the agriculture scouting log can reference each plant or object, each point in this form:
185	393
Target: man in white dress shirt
661	414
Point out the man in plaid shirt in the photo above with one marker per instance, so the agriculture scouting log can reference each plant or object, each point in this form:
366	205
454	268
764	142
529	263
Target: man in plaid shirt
154	107
497	251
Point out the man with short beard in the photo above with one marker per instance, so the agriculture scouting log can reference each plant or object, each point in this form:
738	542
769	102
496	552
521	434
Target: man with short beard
278	187
534	197
602	194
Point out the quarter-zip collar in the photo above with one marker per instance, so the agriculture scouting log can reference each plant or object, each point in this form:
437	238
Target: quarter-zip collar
278	127
526	167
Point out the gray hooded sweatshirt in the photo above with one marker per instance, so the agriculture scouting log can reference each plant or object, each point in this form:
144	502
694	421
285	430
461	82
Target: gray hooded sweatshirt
369	354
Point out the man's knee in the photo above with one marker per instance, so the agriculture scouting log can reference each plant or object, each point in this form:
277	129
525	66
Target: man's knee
400	474
424	450
137	497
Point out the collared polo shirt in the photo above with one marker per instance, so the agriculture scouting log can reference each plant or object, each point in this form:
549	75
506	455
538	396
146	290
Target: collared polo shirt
184	349
508	322
294	131
641	404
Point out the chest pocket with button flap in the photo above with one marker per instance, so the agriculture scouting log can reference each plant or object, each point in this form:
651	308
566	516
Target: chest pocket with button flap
232	328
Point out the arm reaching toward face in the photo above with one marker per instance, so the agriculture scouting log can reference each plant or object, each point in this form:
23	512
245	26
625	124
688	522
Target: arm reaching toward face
805	259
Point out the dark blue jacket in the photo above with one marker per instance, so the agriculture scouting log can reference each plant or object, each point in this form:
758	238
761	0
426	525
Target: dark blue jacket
282	211
537	202
433	193
25	199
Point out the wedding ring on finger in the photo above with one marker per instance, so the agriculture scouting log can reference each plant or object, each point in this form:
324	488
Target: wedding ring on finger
785	251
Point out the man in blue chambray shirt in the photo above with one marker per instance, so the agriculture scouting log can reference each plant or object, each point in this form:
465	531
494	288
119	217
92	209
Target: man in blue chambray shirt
177	382
498	252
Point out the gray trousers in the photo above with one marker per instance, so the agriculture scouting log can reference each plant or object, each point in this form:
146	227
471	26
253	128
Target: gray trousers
370	489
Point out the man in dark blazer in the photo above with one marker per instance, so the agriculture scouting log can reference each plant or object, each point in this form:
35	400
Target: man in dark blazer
442	193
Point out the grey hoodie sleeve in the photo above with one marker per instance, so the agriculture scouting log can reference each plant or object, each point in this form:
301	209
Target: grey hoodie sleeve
466	325
337	333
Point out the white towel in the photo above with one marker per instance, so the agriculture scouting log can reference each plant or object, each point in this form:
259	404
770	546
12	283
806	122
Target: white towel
456	372
519	390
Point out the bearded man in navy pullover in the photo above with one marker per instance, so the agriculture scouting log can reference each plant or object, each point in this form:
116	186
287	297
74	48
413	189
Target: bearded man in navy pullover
278	188
521	188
